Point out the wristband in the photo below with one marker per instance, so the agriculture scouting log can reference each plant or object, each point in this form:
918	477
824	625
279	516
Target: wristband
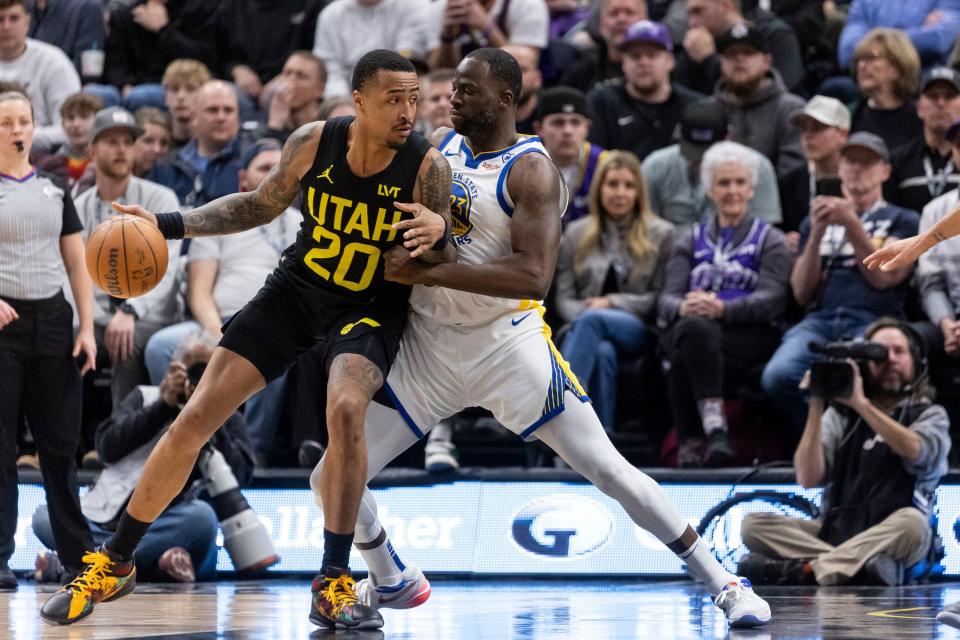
441	244
171	225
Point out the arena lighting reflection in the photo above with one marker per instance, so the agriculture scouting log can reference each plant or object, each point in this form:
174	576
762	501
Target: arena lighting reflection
507	528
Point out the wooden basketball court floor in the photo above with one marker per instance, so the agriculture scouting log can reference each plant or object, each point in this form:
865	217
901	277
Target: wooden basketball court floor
488	610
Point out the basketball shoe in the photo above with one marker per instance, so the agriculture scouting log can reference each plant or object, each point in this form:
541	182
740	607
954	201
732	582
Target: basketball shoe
742	606
334	604
106	577
412	591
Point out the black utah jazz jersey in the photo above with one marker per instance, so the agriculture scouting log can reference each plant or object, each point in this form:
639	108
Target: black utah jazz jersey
347	219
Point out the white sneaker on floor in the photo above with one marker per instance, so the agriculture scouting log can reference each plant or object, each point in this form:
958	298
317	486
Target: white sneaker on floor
412	591
950	615
742	606
441	456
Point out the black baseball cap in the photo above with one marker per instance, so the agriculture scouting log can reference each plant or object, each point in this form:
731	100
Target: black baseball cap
561	100
702	124
940	74
742	33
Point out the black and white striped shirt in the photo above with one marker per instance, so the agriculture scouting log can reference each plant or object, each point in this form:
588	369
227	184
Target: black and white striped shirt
34	214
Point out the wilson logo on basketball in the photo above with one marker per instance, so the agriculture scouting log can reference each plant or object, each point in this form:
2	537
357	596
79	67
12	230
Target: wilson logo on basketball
112	277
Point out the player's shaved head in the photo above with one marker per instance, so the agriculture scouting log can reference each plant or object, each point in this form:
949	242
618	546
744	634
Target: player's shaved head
503	68
375	61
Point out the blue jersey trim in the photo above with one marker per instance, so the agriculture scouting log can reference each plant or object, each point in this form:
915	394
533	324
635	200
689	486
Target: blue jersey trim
473	161
403	412
501	180
446	139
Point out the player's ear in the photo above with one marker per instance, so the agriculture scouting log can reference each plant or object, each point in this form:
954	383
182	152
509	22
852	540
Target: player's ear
357	99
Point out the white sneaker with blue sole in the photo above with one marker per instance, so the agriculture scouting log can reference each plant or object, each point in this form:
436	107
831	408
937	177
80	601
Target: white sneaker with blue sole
412	591
742	607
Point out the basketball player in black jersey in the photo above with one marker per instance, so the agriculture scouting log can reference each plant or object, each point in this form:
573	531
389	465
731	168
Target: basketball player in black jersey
368	184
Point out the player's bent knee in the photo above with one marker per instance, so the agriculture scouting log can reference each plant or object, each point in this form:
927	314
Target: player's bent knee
345	414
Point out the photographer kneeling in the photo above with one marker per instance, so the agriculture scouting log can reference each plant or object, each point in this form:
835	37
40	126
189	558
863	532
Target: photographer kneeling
181	544
881	453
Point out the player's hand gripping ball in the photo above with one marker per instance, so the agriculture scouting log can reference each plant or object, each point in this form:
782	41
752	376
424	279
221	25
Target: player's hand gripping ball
126	256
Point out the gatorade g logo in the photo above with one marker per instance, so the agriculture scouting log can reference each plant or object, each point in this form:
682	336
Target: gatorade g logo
562	526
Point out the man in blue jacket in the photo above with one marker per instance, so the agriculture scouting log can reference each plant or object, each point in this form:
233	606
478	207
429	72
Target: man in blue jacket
208	166
931	25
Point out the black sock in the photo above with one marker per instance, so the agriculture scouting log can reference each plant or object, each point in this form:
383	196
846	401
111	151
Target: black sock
336	549
129	532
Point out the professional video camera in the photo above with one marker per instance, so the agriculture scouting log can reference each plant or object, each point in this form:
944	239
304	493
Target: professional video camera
832	376
244	536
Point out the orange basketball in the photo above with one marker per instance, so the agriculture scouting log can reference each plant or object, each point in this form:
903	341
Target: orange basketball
126	256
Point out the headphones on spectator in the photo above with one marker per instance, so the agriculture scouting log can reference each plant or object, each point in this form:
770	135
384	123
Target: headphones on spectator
916	341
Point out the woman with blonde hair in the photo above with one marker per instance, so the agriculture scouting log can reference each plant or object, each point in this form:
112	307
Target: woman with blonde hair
608	276
887	68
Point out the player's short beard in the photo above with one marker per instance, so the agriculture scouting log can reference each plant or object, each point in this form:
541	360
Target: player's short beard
478	124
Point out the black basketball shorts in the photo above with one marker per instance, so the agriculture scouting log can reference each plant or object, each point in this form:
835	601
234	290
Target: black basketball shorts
284	320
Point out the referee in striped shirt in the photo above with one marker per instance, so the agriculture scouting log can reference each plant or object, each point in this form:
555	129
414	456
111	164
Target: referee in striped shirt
39	241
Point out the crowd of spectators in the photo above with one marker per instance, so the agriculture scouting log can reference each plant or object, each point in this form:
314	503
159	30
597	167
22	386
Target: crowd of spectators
729	164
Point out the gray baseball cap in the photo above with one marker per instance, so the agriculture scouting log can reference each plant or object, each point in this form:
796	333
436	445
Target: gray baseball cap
114	118
870	141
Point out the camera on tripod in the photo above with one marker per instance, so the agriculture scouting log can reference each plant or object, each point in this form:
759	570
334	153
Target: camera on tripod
244	536
832	376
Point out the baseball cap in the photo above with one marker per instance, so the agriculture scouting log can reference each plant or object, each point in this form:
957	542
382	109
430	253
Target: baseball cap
828	111
867	140
647	31
702	124
742	33
251	152
114	118
561	100
940	74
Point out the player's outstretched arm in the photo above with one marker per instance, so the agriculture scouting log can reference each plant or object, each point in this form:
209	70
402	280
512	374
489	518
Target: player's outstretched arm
430	226
538	195
241	211
905	252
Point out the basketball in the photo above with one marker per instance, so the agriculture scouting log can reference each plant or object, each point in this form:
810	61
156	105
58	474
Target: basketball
126	256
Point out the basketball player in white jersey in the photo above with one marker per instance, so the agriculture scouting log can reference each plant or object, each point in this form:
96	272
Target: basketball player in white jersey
476	337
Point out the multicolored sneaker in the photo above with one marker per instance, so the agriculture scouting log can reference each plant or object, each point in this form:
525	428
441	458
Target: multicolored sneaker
412	591
334	604
742	606
106	577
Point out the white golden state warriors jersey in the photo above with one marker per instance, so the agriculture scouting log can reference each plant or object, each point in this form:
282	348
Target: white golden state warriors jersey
480	211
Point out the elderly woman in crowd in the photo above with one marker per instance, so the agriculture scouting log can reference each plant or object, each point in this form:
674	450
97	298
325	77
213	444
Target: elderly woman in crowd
608	274
724	292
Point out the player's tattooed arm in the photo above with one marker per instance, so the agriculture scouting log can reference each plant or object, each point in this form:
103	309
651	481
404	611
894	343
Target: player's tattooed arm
357	372
431	221
539	198
241	211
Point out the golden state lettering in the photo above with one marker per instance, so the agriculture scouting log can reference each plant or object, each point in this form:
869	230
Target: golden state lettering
390	192
348	217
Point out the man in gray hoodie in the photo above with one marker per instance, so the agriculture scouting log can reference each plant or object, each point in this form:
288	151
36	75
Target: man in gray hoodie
753	96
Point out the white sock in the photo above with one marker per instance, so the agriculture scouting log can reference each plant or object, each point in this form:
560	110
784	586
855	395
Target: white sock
711	415
703	565
371	541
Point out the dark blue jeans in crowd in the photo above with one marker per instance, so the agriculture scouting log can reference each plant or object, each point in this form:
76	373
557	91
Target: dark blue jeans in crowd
596	341
191	524
782	375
